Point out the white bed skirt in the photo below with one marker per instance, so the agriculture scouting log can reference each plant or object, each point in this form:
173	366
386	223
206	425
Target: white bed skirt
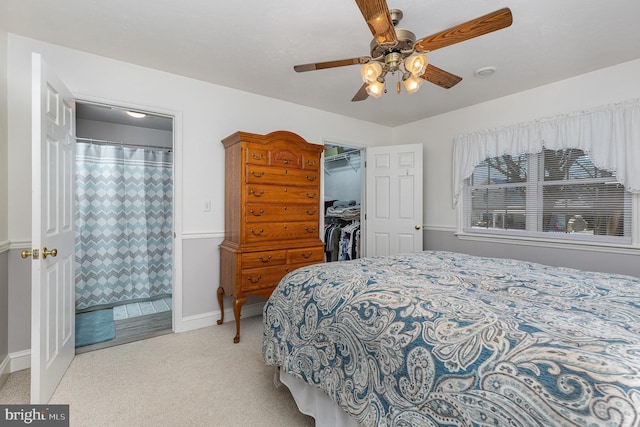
314	402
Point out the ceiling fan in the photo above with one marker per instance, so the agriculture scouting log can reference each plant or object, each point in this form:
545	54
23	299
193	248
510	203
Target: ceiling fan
397	50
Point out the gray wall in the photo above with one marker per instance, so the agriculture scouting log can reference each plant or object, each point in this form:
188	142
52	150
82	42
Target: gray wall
201	263
4	207
4	309
590	260
19	337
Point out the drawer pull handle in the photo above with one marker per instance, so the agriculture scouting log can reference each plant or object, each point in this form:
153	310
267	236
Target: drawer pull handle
313	212
260	194
256	156
310	230
254	280
265	260
311	162
286	171
307	255
257	174
311	195
285	161
311	178
258	233
254	213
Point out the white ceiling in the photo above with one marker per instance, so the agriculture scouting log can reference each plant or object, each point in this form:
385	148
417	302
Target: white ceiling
252	45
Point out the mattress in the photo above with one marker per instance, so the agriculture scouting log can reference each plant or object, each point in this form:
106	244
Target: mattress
440	338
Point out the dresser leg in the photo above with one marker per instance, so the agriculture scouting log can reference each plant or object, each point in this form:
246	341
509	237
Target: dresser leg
237	307
221	304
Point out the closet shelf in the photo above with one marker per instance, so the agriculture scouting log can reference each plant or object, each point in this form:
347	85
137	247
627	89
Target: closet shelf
343	156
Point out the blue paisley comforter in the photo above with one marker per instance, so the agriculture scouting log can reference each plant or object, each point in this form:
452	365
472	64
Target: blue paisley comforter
445	339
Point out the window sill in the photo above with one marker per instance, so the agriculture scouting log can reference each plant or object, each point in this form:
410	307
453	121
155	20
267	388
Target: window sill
581	245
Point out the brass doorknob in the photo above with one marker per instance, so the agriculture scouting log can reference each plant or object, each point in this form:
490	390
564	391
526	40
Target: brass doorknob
52	252
26	253
418	227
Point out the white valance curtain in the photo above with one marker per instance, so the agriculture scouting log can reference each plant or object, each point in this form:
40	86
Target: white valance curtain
609	134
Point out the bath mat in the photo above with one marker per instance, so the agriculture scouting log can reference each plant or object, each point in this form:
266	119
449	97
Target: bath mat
94	327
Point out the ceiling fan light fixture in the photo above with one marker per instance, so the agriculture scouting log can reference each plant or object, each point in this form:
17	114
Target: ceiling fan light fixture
416	64
371	71
412	83
375	88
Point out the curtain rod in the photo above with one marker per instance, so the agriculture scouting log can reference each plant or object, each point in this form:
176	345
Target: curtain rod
120	143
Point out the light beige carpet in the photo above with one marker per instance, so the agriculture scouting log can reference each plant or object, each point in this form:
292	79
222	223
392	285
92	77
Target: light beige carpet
197	378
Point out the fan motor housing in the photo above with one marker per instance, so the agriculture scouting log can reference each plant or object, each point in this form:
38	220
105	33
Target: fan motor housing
406	39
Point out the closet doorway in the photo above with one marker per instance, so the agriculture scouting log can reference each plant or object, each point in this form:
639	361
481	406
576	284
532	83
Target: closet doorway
342	189
124	225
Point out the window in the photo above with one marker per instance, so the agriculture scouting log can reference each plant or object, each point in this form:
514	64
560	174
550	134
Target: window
552	194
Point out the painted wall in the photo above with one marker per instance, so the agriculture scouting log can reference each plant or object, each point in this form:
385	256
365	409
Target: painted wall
342	179
132	135
4	211
602	87
207	113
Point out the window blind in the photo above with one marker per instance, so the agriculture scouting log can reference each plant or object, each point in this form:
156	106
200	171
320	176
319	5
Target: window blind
555	193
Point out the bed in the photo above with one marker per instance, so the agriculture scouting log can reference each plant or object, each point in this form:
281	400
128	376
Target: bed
447	339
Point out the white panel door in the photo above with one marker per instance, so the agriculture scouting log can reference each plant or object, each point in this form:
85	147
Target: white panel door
52	265
393	199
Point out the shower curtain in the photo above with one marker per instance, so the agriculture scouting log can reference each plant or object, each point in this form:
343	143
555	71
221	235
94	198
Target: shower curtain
123	224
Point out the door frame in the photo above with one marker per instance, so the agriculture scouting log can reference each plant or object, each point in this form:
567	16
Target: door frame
363	190
176	309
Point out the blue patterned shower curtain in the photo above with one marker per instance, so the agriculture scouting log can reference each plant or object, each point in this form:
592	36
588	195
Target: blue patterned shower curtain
123	224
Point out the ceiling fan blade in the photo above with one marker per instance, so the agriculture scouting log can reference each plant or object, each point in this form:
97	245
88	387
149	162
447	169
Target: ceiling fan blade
331	64
477	27
440	77
361	95
376	14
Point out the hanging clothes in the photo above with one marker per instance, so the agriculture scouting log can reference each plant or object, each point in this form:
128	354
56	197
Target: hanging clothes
349	242
342	231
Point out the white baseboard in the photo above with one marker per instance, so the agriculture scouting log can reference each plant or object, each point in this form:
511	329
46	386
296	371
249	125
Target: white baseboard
20	360
191	323
14	362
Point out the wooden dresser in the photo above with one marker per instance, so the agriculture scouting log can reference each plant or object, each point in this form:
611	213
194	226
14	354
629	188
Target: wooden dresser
272	214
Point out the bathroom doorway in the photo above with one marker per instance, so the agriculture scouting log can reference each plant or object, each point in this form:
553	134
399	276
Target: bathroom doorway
124	225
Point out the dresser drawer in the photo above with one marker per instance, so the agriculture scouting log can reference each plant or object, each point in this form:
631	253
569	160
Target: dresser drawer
263	212
285	156
257	155
311	255
281	194
261	278
284	176
263	259
292	231
310	161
